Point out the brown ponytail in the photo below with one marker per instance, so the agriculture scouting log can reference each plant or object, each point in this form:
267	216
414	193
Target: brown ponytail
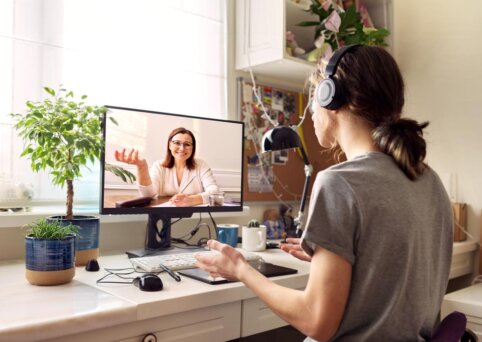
403	140
373	89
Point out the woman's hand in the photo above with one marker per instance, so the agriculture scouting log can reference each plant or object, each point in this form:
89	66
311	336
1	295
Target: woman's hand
229	263
293	247
183	200
132	157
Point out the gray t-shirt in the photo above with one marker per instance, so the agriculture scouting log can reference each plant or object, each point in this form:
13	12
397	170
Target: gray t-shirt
396	233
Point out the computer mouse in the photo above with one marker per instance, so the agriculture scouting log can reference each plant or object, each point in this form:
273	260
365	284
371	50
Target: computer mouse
149	282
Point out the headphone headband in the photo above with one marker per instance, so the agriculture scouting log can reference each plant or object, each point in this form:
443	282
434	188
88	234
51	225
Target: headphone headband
335	59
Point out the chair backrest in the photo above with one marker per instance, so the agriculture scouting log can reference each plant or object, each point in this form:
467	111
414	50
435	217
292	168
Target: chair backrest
469	336
451	329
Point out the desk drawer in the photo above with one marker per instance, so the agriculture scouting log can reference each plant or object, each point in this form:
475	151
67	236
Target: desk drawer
256	318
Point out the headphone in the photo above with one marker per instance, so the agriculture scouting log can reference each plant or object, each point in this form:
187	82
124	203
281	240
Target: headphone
329	94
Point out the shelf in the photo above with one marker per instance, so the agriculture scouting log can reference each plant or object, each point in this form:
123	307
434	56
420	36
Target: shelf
261	28
288	68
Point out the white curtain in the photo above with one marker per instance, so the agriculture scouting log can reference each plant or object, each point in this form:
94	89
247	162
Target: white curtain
163	55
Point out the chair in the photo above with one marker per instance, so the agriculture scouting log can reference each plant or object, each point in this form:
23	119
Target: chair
453	329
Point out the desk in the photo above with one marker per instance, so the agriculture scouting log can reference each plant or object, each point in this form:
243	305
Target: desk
468	301
111	200
185	311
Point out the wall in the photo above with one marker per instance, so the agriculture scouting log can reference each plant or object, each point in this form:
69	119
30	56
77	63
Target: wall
437	47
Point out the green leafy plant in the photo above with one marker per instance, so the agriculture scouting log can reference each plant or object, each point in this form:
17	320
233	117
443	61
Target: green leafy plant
337	27
43	229
120	172
63	134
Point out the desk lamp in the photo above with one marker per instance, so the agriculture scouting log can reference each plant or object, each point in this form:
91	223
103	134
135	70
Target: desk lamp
283	138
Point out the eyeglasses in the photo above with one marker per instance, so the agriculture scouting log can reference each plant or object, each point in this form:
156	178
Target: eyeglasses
178	144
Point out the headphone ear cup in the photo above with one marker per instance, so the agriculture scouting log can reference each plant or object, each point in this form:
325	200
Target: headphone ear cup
325	92
329	94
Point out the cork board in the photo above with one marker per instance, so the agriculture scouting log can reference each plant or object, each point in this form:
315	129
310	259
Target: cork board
277	175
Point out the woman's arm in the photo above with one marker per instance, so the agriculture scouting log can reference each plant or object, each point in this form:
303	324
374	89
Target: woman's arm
316	311
208	181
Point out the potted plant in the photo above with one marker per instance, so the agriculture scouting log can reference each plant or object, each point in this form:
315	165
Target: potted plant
339	24
63	135
50	252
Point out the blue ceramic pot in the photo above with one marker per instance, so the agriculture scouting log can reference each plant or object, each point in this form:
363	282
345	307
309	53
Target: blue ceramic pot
87	243
49	255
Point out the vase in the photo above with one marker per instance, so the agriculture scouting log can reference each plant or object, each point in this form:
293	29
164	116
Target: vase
87	243
49	261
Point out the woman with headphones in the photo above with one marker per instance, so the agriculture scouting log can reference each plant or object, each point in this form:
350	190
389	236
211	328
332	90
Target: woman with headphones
379	227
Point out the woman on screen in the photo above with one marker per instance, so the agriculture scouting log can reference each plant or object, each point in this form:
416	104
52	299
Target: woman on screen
188	180
379	228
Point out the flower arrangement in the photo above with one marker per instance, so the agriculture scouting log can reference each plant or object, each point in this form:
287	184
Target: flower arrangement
341	23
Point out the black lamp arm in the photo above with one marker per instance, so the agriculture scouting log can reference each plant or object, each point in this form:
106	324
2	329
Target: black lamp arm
305	193
308	173
304	156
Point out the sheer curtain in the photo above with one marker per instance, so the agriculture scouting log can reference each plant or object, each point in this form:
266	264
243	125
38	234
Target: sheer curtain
163	55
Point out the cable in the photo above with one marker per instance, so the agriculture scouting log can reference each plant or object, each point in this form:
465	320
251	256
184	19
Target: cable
120	273
202	241
457	225
214	225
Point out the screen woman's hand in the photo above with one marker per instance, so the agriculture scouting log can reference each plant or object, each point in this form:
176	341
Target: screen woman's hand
131	157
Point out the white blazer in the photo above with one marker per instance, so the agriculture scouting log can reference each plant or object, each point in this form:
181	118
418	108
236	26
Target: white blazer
164	181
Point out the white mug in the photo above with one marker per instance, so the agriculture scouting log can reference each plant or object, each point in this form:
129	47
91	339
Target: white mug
254	238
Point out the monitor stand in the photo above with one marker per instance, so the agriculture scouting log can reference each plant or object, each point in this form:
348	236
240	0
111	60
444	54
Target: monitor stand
159	241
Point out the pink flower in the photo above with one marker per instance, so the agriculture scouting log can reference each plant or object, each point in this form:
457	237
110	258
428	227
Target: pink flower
326	4
333	22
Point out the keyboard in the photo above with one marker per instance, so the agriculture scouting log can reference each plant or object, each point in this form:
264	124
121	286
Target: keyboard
180	261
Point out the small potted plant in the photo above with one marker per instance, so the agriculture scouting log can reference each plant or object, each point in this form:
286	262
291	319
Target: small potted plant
50	252
63	135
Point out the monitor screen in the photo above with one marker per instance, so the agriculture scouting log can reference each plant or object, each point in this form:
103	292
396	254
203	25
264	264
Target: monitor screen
169	166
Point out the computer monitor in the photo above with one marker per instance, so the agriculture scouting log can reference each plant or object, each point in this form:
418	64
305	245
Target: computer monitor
217	148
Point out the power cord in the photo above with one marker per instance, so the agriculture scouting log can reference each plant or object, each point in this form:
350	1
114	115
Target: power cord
202	241
122	273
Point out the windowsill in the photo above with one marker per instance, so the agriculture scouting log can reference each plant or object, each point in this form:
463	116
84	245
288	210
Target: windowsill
22	218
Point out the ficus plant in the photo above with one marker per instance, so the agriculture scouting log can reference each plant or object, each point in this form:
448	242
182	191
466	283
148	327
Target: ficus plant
63	134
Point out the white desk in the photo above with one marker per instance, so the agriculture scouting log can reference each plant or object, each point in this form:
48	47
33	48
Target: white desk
185	311
468	301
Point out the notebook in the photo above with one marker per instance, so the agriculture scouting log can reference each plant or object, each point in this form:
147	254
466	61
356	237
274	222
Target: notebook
265	268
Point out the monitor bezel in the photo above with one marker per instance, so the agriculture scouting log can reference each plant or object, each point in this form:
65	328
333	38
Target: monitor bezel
173	212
